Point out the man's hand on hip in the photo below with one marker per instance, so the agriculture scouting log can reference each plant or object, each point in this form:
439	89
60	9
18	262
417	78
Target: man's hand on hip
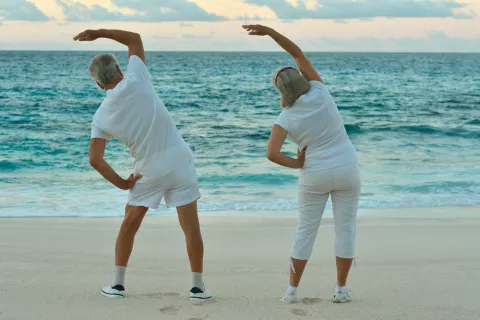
130	183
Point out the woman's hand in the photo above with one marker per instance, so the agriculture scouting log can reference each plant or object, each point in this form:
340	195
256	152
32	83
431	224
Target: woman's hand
301	156
87	35
257	29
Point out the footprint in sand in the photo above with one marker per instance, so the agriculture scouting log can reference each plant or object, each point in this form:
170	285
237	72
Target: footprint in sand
170	309
300	312
197	317
310	300
161	294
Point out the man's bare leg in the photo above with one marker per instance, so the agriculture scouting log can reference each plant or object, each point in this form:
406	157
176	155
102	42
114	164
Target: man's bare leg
123	249
130	225
188	218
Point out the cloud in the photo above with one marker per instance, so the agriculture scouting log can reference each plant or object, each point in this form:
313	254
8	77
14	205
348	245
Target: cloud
162	37
76	12
247	18
194	36
353	9
435	41
21	10
148	11
186	25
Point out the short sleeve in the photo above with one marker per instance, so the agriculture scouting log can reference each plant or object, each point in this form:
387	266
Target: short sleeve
136	68
317	85
98	133
282	121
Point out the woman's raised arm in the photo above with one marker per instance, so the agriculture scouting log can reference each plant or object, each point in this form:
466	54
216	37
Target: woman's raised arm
305	66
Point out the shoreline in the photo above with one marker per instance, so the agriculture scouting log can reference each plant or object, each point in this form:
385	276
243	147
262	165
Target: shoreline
461	212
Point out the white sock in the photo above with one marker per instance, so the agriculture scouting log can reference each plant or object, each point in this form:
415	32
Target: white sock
291	289
341	289
119	276
197	278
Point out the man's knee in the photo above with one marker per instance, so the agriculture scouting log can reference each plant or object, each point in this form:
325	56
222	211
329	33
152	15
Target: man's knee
131	223
191	229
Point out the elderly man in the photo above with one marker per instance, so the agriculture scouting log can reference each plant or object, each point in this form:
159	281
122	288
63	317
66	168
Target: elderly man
163	165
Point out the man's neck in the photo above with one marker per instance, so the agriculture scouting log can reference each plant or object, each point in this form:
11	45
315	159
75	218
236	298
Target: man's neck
112	85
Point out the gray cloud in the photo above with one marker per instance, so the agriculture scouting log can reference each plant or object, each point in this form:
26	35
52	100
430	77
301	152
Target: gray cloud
162	37
247	18
351	9
21	10
436	41
76	12
194	36
151	11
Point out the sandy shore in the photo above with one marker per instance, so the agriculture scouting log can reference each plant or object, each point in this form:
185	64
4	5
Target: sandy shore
418	264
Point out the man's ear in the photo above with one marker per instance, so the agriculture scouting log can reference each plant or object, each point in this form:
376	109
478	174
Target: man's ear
101	87
120	70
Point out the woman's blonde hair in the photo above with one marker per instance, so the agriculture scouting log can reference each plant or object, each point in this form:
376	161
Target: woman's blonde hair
291	84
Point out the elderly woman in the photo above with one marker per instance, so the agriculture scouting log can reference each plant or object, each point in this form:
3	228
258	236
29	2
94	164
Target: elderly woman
326	158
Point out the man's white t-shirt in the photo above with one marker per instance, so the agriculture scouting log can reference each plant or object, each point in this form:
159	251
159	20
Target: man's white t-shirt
133	113
314	121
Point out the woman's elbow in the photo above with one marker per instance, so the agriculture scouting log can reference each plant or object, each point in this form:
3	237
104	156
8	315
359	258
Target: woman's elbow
271	155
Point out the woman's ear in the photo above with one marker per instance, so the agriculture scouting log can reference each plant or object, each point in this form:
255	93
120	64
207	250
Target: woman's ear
101	87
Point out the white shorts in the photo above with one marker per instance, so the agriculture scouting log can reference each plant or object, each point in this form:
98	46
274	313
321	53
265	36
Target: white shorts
179	187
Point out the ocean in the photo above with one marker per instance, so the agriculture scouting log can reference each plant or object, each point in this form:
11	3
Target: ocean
414	119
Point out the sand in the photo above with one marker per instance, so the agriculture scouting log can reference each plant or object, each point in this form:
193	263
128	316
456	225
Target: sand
416	264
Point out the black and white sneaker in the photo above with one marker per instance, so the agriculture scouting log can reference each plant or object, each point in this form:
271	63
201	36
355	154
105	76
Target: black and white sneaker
113	291
196	294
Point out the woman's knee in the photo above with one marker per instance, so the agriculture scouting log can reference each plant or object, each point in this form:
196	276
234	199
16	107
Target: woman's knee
345	248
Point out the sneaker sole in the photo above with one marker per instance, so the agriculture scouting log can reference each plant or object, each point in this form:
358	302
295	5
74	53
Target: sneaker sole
341	301
112	295
199	299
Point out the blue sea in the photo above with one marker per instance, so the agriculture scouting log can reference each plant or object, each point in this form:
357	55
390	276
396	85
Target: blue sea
414	119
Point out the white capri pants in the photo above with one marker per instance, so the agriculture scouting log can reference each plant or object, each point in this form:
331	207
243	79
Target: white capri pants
343	184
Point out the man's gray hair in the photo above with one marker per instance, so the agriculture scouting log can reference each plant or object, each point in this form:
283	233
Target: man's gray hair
103	69
291	84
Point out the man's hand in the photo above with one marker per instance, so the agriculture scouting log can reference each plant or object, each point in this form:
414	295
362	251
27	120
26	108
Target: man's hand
131	39
257	29
87	35
130	183
301	156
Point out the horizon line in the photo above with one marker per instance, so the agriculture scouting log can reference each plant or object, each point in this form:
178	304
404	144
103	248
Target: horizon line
239	51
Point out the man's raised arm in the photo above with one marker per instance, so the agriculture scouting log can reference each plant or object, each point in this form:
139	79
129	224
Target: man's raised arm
131	39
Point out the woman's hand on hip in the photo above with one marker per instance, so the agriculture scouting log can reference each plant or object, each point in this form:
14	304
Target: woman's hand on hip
301	156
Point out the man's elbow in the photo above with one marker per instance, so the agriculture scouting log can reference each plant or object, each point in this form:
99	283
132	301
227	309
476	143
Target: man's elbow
137	37
95	162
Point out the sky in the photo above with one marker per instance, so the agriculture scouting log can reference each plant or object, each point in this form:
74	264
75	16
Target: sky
215	25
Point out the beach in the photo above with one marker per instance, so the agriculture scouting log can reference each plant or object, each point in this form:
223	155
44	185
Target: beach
419	263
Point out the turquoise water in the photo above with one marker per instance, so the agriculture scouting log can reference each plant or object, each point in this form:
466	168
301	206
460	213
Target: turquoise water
414	119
